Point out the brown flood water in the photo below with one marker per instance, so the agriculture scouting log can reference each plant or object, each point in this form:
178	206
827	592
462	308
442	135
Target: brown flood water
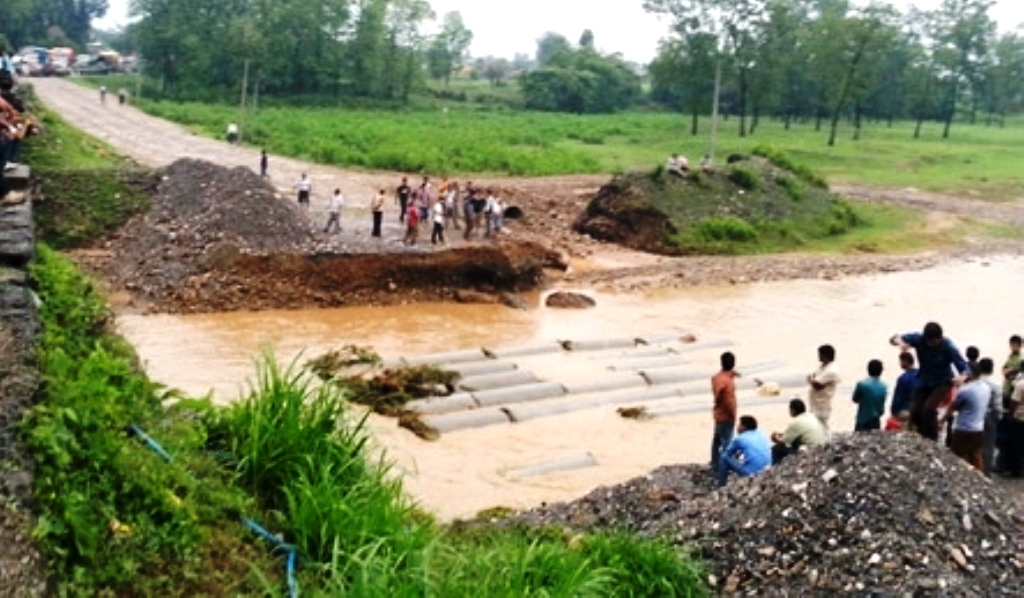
977	302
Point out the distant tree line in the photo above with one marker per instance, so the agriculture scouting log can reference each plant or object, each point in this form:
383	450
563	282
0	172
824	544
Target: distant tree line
48	22
829	60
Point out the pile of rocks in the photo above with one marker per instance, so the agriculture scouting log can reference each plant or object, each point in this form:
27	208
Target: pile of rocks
880	514
202	216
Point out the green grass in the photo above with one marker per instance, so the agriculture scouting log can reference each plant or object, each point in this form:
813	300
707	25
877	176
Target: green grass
85	189
445	137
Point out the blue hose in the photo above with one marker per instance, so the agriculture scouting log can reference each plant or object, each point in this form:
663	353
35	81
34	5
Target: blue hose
151	443
279	544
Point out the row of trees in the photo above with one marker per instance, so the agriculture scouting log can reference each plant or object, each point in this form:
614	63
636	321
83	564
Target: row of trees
832	59
48	22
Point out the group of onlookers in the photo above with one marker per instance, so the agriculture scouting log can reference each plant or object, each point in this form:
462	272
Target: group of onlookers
15	122
447	207
947	395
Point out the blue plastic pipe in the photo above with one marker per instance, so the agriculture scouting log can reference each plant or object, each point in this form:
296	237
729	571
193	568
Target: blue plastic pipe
151	443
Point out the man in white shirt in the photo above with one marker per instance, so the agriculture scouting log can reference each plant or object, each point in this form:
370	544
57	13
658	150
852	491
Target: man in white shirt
334	212
823	383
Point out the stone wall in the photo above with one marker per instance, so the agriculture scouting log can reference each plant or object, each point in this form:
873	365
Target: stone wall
21	566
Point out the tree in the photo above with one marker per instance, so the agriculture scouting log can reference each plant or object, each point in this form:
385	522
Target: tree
549	46
448	48
587	39
962	30
683	74
580	81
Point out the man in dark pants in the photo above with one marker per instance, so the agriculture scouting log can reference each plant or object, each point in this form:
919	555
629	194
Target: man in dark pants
402	197
936	356
723	387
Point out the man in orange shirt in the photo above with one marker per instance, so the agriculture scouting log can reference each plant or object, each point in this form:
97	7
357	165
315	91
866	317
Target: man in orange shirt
723	387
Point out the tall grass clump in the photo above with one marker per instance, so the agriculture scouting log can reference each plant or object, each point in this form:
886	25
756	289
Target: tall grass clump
114	519
783	161
300	452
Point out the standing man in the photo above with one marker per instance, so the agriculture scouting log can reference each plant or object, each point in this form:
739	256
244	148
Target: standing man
304	187
437	234
748	454
723	389
870	398
103	94
823	383
264	165
970	406
122	96
402	198
937	356
377	209
334	212
995	413
904	390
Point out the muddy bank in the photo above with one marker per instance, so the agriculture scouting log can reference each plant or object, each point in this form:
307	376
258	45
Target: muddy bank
292	281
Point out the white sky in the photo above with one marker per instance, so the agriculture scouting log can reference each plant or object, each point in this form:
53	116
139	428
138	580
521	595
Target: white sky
504	28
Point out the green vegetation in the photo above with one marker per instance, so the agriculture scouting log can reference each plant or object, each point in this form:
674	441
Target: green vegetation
116	519
463	140
86	190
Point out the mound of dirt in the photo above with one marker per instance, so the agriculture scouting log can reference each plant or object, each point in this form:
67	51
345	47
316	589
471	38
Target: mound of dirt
871	514
218	239
621	213
724	211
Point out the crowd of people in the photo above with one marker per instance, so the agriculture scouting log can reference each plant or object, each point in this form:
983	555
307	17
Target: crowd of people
446	208
940	394
15	121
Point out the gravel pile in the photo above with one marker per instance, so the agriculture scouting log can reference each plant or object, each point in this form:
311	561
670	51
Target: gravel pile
202	215
878	514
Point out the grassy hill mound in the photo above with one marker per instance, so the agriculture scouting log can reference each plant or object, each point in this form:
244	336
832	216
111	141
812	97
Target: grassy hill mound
755	204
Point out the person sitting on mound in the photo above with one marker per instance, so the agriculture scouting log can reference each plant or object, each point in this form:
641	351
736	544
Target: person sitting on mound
805	430
677	165
747	455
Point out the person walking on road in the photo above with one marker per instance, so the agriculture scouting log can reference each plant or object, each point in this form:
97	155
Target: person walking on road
334	212
103	94
438	216
264	165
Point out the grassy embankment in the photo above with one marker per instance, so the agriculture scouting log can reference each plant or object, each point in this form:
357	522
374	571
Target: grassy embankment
116	519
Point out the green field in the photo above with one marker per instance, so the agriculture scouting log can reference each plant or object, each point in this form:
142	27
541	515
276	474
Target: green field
459	140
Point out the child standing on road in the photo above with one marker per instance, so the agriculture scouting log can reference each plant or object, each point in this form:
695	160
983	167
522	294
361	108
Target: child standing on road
412	224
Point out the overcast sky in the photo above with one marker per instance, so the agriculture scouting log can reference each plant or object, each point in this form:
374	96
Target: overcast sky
504	28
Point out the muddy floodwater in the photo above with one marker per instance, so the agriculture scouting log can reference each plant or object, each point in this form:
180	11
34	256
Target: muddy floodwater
978	302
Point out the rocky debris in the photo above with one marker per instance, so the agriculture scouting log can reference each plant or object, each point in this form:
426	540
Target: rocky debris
569	300
872	514
464	296
22	569
513	300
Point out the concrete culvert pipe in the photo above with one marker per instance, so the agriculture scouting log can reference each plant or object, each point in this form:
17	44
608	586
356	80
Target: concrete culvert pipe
567	463
606	384
717	344
457	402
514	213
479	368
572	404
519	394
465	420
688	408
641	352
545	349
673	375
646	364
452	357
499	380
599	345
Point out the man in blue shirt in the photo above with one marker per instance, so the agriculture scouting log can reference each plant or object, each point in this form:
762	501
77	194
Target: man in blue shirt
870	398
937	356
748	454
904	390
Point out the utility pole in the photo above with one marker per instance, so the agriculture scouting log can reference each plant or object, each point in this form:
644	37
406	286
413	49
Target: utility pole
245	88
714	108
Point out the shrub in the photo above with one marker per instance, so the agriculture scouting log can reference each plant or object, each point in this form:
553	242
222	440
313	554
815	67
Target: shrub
725	228
794	188
782	161
745	177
